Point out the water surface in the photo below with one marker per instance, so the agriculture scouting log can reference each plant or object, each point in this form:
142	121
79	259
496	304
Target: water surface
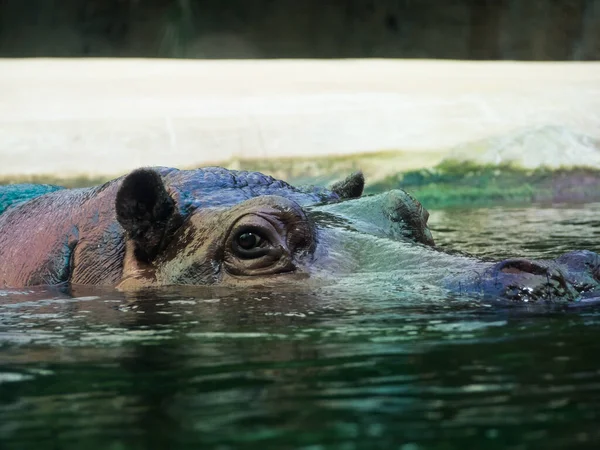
357	364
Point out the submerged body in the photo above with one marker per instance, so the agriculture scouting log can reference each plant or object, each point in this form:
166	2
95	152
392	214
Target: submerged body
161	226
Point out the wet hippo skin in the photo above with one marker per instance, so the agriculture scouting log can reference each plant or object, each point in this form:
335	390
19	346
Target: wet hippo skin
211	226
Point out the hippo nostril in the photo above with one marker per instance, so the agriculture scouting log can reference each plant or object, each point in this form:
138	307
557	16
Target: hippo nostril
516	266
526	280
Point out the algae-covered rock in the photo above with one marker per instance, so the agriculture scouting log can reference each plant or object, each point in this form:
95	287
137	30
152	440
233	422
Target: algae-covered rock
548	146
542	164
454	183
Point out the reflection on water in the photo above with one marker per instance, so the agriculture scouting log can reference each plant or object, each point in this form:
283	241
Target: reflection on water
501	232
311	367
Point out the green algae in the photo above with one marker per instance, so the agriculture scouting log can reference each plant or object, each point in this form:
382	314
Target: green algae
316	170
454	183
450	183
19	193
75	181
447	184
326	170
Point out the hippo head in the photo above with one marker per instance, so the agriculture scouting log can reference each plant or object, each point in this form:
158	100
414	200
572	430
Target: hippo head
172	238
167	243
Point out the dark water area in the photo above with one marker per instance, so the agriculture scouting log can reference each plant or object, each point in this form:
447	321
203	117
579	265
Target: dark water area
354	364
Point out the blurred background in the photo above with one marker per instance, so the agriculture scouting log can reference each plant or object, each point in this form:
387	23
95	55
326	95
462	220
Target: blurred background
457	29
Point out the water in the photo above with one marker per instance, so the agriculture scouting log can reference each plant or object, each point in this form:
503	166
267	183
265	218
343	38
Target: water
312	368
541	231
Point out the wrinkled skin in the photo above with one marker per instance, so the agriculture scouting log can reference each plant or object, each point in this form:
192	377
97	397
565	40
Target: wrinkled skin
158	227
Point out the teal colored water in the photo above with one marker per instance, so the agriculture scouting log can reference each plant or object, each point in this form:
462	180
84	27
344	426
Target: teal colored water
346	366
14	194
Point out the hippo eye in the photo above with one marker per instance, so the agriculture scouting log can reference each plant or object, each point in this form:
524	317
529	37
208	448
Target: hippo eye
269	235
250	244
248	240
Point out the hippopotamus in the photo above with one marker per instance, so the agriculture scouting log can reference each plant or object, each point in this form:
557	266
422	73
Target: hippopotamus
212	226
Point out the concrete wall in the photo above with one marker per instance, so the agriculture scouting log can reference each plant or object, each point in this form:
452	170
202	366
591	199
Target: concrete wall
104	116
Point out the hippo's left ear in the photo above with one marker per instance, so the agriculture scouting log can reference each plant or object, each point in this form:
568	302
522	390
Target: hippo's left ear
350	187
146	211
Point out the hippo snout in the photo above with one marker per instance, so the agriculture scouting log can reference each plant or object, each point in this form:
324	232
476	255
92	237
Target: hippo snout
520	266
573	276
581	262
582	269
526	280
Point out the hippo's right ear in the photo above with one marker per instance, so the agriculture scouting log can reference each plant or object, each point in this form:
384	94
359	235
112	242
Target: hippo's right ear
146	211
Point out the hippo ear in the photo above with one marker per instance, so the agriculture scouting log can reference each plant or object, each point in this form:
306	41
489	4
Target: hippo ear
402	207
351	187
145	211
